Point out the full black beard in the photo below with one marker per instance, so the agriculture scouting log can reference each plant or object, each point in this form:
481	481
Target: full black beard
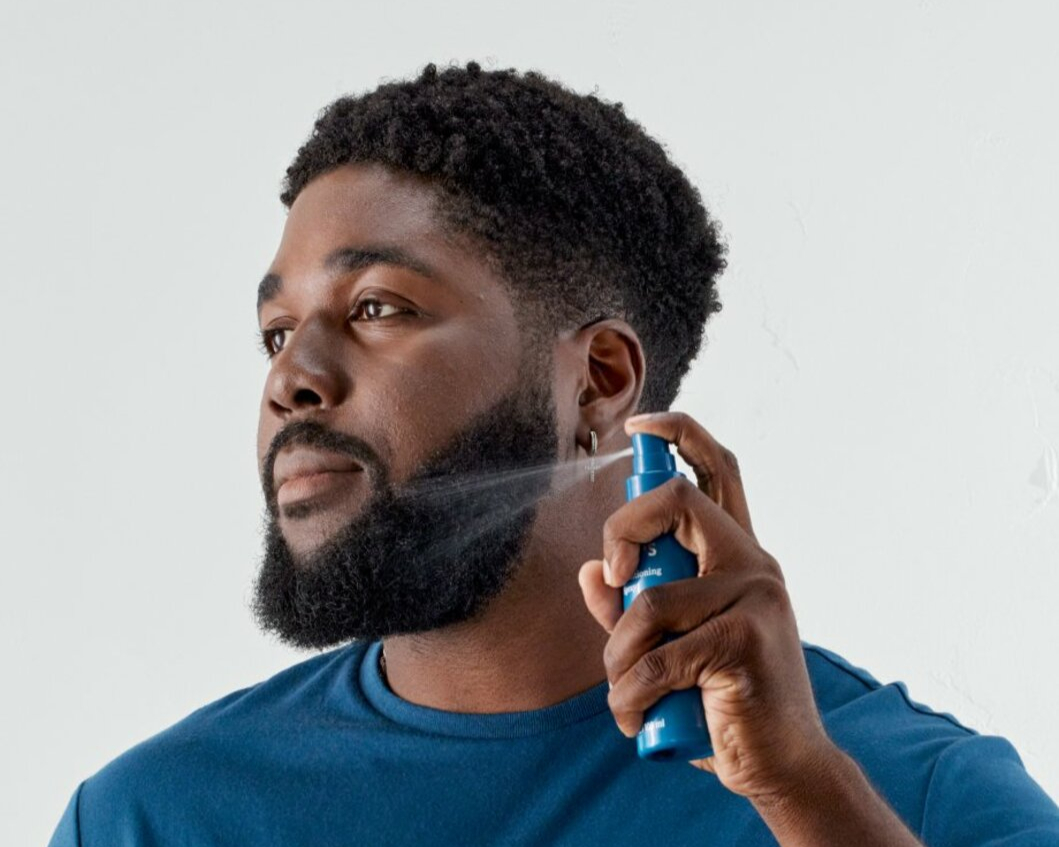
425	555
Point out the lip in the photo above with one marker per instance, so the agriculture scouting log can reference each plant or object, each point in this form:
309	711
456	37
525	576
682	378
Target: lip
312	485
303	463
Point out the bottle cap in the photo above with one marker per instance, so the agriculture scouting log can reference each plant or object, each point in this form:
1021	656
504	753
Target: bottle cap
651	453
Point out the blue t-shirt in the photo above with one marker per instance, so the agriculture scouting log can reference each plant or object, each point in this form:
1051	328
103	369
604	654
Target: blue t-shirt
324	754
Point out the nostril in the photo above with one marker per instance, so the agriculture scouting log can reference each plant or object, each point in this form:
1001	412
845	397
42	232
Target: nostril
307	396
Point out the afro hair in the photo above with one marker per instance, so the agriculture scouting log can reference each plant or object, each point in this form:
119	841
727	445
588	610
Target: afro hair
580	212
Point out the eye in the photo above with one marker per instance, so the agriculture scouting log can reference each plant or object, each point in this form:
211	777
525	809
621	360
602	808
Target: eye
265	341
372	306
367	302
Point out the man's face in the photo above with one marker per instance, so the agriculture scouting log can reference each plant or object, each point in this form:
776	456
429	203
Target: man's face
406	389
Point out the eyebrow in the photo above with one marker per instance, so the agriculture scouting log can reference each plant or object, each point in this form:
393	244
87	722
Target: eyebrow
346	259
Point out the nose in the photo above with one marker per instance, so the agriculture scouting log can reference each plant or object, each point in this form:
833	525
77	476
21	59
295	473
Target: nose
308	372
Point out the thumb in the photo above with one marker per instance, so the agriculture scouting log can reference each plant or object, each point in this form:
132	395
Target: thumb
603	601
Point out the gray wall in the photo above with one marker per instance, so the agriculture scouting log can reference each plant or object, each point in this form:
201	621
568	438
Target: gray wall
886	366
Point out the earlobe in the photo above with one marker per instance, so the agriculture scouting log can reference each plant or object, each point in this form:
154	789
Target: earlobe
583	441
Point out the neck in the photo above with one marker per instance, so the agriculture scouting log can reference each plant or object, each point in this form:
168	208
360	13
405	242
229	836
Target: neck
535	645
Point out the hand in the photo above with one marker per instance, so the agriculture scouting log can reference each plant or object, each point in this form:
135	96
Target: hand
740	643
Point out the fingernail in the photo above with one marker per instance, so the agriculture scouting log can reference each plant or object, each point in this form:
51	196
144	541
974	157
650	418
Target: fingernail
606	572
641	417
610	684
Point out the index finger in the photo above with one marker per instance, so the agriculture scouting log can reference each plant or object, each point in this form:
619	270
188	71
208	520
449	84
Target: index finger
716	468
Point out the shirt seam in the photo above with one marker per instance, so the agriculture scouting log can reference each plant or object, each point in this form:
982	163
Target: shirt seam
921	834
868	684
899	686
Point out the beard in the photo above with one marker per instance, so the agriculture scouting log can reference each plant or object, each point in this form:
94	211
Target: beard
425	555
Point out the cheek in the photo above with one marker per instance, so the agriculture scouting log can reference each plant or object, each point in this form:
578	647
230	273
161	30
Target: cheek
432	394
264	433
566	367
566	423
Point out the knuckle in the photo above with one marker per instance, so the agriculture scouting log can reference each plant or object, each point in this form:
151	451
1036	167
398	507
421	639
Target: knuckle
676	494
730	461
617	702
734	632
754	639
682	421
610	658
684	491
772	566
651	669
648	603
745	687
772	591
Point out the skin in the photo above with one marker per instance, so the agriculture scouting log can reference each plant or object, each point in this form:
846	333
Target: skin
405	386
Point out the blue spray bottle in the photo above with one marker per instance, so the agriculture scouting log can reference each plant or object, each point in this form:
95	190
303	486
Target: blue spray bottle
674	727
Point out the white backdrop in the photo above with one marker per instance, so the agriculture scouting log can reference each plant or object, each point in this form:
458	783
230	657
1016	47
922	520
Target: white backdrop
886	366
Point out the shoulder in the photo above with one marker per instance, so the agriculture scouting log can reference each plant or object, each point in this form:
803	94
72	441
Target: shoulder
216	728
895	740
940	775
838	685
878	723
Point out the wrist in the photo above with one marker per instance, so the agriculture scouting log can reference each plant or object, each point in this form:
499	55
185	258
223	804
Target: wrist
835	805
820	782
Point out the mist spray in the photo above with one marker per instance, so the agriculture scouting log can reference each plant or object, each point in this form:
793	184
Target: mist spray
674	727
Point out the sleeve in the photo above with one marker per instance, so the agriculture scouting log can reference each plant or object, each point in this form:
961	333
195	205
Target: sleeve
68	831
980	795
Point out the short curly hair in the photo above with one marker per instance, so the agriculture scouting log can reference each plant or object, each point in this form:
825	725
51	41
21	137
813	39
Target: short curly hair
580	212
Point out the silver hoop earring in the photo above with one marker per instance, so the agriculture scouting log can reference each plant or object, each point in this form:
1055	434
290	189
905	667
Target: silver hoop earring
592	456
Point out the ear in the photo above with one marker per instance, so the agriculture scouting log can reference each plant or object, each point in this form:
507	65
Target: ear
610	368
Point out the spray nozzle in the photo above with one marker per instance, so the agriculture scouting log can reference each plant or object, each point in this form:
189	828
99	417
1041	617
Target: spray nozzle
651	453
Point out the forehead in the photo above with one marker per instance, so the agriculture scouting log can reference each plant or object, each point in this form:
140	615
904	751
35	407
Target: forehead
365	200
367	205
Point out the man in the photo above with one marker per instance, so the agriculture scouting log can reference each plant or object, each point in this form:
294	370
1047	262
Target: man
482	278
